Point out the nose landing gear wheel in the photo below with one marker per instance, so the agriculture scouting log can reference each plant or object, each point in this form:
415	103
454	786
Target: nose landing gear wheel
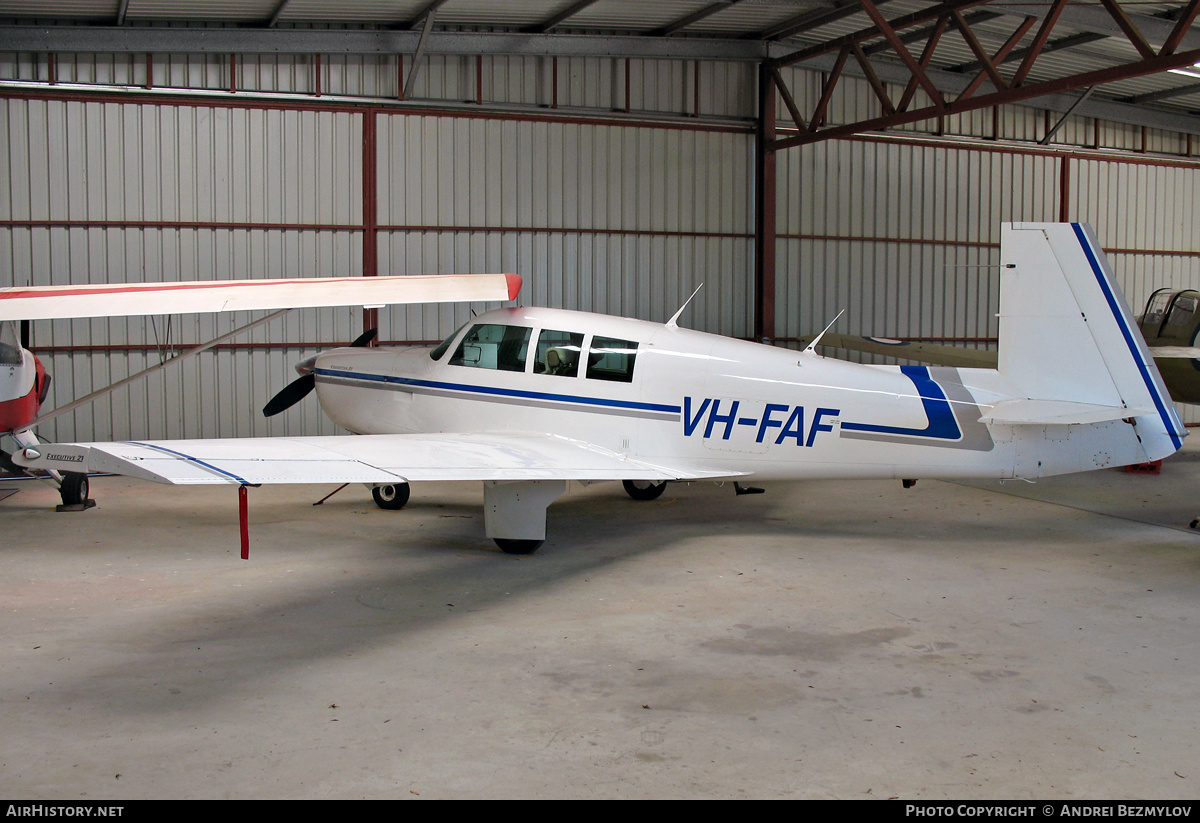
644	489
391	496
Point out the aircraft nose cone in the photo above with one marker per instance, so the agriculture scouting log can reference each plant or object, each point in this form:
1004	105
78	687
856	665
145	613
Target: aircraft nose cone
307	365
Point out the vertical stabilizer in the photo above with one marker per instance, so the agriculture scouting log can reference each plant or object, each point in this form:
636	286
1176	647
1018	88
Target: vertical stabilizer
1067	335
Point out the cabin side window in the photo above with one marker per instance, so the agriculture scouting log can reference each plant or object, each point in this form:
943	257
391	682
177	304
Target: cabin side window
1182	310
493	346
558	353
1156	307
611	359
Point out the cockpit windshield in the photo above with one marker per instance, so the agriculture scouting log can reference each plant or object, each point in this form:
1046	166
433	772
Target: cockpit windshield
437	353
493	346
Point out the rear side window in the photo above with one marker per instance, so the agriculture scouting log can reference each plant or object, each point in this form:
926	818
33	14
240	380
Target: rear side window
611	359
1182	310
558	353
492	346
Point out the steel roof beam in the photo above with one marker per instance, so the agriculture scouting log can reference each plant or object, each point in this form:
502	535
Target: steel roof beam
928	15
810	20
1050	95
1097	20
275	15
1051	46
257	40
424	14
1165	94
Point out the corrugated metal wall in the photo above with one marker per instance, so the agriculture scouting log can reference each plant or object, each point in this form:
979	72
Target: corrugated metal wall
598	215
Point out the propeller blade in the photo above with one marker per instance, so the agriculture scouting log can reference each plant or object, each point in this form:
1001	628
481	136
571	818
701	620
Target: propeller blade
299	388
364	339
292	394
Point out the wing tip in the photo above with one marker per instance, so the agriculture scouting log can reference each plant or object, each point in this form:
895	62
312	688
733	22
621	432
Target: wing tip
514	285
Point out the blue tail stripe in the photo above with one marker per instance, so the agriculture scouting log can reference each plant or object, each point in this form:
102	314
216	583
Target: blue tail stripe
1115	307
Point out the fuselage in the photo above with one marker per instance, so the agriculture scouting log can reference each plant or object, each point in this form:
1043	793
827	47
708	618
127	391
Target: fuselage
660	393
23	382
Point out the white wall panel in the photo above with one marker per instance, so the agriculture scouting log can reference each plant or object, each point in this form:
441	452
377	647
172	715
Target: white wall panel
902	236
126	180
604	218
1149	207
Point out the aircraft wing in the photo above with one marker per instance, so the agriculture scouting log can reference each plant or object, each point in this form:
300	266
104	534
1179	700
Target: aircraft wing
378	458
191	297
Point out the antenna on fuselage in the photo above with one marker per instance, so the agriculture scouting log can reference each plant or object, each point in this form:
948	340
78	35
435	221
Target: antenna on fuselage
812	347
672	322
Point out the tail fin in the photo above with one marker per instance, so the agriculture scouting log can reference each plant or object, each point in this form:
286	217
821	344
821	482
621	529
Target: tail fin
1069	342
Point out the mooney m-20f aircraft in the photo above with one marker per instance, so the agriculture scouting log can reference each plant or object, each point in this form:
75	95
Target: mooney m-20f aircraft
527	399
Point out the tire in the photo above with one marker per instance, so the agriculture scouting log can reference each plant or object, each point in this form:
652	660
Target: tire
644	489
74	489
510	546
391	496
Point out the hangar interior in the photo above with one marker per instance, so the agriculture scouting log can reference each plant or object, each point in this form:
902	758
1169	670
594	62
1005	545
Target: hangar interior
796	159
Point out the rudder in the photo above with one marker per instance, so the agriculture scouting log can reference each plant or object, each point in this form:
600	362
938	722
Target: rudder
1067	336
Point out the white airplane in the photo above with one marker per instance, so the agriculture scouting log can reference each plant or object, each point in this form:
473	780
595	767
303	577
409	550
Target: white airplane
526	399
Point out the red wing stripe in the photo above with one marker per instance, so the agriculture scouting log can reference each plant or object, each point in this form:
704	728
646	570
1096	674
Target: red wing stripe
68	291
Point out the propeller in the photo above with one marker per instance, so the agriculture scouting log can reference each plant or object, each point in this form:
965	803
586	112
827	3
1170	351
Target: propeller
299	388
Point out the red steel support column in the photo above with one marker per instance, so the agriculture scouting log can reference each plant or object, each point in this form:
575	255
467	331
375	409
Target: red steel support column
1064	190
370	215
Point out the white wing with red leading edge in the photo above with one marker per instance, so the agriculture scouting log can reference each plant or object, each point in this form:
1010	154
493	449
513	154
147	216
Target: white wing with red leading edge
377	458
191	297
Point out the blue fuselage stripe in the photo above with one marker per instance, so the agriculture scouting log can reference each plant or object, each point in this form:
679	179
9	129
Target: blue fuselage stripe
942	425
1130	341
490	390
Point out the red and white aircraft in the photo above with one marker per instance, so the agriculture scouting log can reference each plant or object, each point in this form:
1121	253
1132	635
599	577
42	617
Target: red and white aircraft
525	400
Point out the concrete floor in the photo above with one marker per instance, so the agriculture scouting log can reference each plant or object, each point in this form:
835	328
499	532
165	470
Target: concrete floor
825	640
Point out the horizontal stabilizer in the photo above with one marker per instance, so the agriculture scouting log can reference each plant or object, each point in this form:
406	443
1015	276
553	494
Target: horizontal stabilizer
199	296
1055	413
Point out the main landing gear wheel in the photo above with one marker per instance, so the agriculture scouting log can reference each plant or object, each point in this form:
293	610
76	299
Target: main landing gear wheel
510	546
391	496
74	489
644	489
